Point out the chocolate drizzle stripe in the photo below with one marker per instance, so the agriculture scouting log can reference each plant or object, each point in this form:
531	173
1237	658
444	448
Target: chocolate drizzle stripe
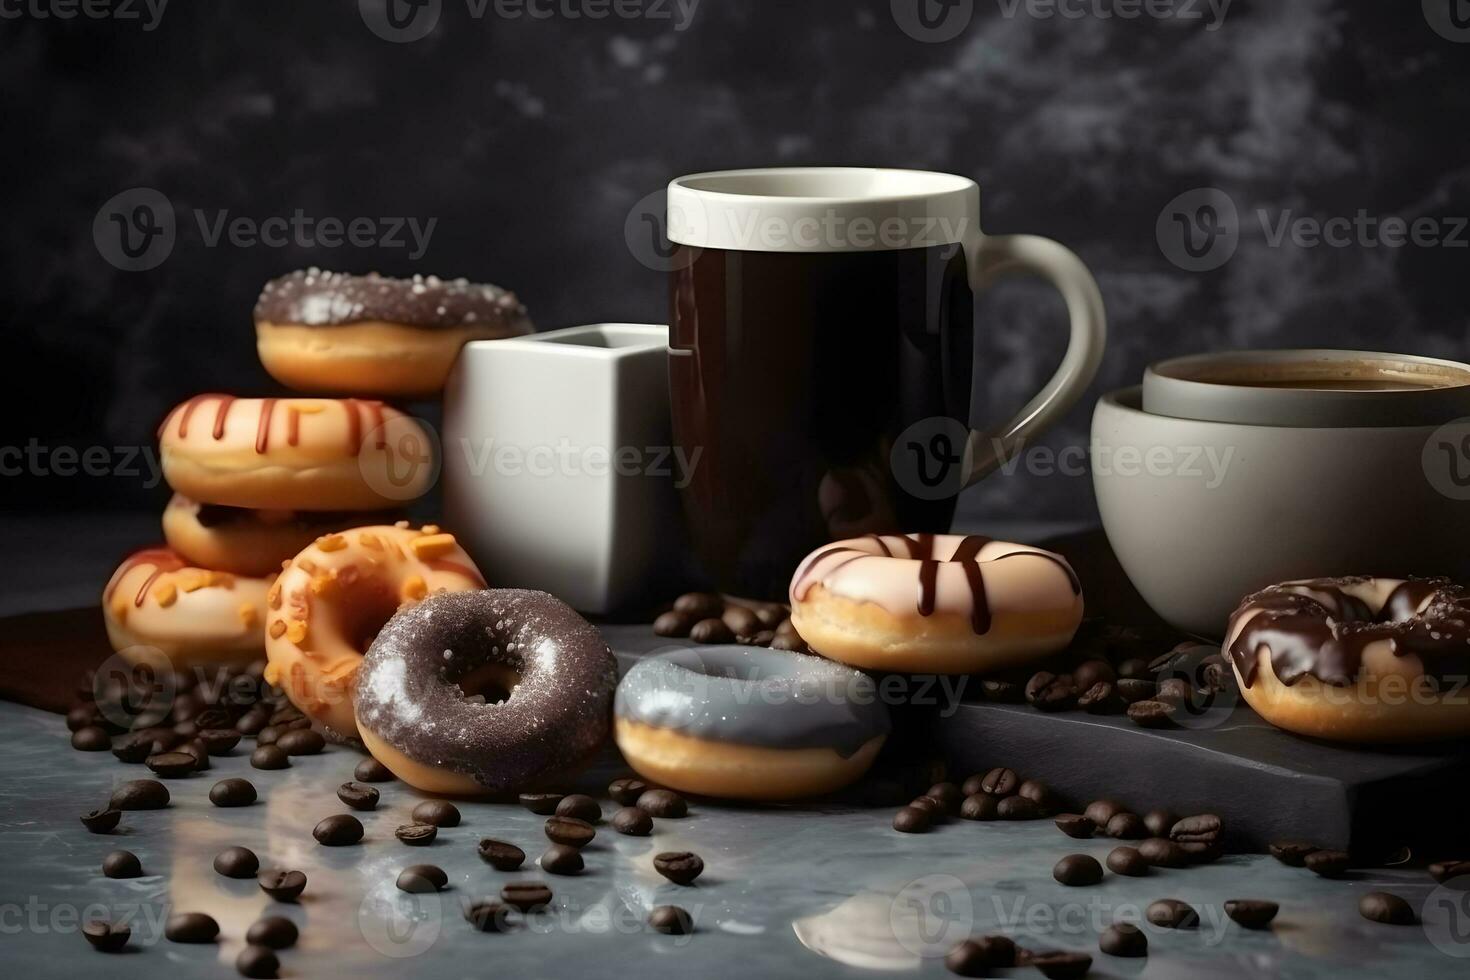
221	412
263	428
354	426
162	559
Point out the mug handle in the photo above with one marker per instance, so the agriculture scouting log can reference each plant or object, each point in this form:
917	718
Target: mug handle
995	256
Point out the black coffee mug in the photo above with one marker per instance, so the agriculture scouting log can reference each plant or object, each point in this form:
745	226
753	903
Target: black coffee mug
820	357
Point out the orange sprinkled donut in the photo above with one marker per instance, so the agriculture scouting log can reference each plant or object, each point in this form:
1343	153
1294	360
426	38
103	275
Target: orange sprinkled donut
196	617
294	453
330	601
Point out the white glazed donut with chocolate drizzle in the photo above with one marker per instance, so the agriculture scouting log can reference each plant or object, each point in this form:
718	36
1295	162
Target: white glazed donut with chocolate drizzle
1356	659
927	603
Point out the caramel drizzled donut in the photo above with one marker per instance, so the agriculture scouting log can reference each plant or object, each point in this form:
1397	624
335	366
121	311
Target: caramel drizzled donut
196	617
421	701
330	601
331	332
1356	658
313	454
934	603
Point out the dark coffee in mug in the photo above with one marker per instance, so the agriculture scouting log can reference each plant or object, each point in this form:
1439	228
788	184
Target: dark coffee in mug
820	319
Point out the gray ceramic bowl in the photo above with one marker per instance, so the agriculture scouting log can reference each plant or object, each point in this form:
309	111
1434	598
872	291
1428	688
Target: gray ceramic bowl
1202	513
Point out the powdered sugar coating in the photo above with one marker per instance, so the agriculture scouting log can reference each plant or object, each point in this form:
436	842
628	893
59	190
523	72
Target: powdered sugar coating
316	298
559	713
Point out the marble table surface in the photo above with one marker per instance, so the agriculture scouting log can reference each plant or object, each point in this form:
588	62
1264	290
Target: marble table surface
814	891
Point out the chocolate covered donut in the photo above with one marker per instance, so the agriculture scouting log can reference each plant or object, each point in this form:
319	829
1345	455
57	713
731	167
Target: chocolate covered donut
424	700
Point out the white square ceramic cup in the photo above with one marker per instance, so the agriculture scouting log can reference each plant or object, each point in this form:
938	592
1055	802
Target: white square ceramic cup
558	472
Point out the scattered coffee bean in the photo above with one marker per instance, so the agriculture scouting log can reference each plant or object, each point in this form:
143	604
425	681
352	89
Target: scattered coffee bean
711	631
1078	870
172	765
1201	828
370	770
101	821
133	749
218	741
526	895
236	862
1093	672
633	822
270	757
106	937
1003	691
358	796
1061	965
501	855
625	792
1127	861
1123	939
1041	794
417	834
1328	864
741	621
200	753
1164	853
272	932
791	642
487	915
912	820
1201	852
269	734
190	927
93	738
673	623
252	722
1387	908
1101	811
1170	913
700	605
82	715
1018	808
1102	699
570	831
680	867
1135	689
122	864
931	806
1251	913
257	962
1292	853
440	813
301	741
671	920
1046	691
948	795
1174	690
544	804
1126	826
1000	782
1159	822
973	784
232	792
281	885
980	806
580	807
1151	714
663	803
338	830
1446	871
977	957
420	879
1076	825
559	859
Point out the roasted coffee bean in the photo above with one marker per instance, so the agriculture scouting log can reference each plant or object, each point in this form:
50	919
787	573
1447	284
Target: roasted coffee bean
232	792
773	614
358	796
1061	965
1292	853
1101	811
1170	913
1127	861
791	643
272	932
1174	690
741	621
172	765
1126	826
680	867
288	715
236	862
1041	794
671	920
1328	864
1159	822
1018	808
1251	913
1076	825
218	741
1387	908
931	806
1164	853
501	855
140	794
977	957
1046	691
106	937
196	748
1134	668
282	885
673	623
973	784
122	864
269	734
487	916
215	717
663	803
81	716
1446	871
1135	689
1002	691
544	804
1078	870
762	639
101	821
1201	852
440	813
1090	673
700	605
559	859
269	757
625	792
1203	828
633	822
1000	782
258	963
526	895
948	795
252	721
419	879
338	830
417	834
190	927
711	631
301	741
133	748
570	831
93	738
1151	714
1123	939
980	806
581	807
1102	699
370	770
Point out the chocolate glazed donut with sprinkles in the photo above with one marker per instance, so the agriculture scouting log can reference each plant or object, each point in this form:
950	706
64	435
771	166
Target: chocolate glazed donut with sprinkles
935	603
485	692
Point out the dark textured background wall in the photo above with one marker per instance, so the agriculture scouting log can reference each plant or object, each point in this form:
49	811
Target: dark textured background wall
529	141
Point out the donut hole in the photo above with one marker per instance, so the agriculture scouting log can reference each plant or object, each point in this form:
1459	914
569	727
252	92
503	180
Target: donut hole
372	603
489	683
